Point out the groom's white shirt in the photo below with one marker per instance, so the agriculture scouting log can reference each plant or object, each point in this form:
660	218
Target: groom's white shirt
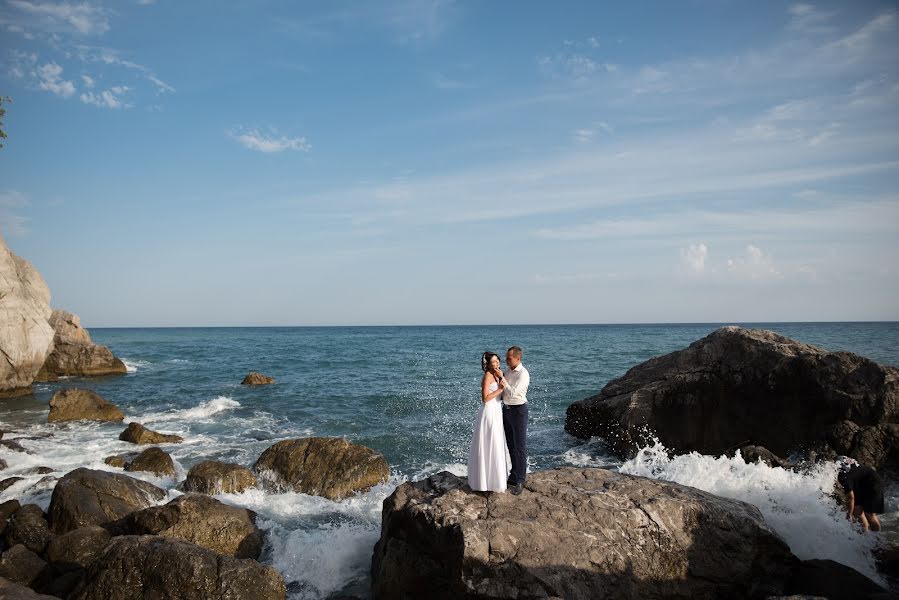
517	380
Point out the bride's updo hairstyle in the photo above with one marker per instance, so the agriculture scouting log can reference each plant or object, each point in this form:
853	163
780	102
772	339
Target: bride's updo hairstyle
486	358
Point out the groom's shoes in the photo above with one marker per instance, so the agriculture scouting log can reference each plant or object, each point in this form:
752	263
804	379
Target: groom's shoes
517	489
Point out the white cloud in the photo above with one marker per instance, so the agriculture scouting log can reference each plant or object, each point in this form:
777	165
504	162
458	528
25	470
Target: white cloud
807	18
88	81
83	18
754	264
50	79
693	258
11	222
110	98
255	140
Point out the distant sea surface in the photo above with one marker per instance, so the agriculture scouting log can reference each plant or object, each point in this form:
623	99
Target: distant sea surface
410	393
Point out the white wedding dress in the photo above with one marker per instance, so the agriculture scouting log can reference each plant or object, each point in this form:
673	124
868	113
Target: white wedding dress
488	458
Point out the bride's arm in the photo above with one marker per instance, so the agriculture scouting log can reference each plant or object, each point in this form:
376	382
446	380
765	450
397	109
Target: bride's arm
485	385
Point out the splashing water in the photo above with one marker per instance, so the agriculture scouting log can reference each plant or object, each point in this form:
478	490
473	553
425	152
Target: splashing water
797	505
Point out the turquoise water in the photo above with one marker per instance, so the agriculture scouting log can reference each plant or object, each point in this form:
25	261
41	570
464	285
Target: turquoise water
409	392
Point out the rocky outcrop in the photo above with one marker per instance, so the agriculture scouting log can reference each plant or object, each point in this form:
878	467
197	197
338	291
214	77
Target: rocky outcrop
26	336
120	460
574	533
753	454
834	581
254	378
203	521
14	591
21	565
329	467
214	477
152	460
74	353
738	386
88	497
27	526
138	434
74	404
78	548
160	567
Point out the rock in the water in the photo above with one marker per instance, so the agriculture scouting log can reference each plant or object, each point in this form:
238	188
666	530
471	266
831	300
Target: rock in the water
832	580
9	482
138	434
329	467
27	526
753	454
152	460
74	404
26	336
203	521
14	446
574	533
78	548
14	591
3	464
74	353
21	565
214	477
37	471
87	497
7	509
738	386
160	567
254	378
120	460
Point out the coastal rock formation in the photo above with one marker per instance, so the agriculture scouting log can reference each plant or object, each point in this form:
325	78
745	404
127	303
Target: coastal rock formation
88	497
14	591
214	477
74	404
27	526
78	548
833	581
574	533
203	521
74	353
739	386
138	434
120	460
152	460
26	336
329	467
21	565
254	378
161	567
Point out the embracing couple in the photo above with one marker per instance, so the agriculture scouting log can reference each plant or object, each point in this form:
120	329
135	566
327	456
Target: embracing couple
502	421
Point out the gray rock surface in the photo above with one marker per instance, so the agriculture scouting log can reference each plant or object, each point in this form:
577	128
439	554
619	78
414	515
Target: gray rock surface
330	467
161	567
26	336
74	353
74	404
215	477
746	386
13	591
87	497
203	521
138	434
577	534
78	548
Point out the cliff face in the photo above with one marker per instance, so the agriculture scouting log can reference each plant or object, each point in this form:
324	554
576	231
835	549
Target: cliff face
26	337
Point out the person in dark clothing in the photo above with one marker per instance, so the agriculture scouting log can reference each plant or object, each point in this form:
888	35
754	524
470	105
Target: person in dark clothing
865	489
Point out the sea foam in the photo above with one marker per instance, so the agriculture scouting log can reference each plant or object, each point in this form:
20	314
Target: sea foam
197	413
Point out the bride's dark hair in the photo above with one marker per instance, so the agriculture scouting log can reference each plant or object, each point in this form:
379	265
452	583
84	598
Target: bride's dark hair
486	358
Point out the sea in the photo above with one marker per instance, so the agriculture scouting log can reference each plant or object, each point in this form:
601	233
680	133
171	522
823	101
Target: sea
411	393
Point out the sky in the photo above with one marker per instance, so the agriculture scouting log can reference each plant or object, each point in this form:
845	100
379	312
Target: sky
257	162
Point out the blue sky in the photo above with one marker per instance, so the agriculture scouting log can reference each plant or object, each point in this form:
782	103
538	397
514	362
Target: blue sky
436	162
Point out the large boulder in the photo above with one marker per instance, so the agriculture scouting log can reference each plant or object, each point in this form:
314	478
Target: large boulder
10	590
74	404
574	533
26	336
88	497
27	526
74	353
203	521
215	477
78	548
329	467
21	565
834	581
745	386
152	460
138	434
161	567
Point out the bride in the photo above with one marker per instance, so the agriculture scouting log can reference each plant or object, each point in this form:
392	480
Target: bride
488	465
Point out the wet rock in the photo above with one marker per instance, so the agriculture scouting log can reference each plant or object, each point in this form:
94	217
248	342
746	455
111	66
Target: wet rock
152	460
27	526
138	434
74	353
14	446
119	460
74	404
330	467
21	565
86	497
254	378
574	533
9	482
13	591
832	580
753	454
214	477
78	548
161	567
203	521
745	386
7	509
37	471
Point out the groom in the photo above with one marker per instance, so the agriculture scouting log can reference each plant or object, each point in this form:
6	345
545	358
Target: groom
515	416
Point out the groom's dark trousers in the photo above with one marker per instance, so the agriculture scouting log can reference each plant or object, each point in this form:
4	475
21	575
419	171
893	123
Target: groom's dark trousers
515	423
